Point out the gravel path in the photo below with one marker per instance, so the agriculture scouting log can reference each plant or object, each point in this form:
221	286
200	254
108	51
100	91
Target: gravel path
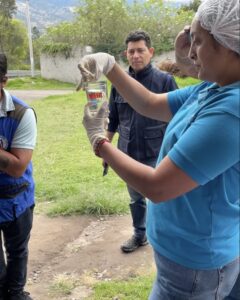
29	95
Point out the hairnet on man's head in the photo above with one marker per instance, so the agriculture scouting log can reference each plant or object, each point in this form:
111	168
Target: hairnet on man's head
221	19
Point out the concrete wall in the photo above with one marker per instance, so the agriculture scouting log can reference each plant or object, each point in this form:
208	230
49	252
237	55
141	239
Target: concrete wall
60	67
65	69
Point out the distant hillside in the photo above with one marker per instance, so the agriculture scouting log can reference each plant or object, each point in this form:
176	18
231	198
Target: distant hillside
45	13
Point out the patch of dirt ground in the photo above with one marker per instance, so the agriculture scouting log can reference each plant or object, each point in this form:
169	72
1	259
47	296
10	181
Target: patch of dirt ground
81	249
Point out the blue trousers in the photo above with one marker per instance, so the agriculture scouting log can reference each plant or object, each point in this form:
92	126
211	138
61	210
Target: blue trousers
176	282
138	207
16	235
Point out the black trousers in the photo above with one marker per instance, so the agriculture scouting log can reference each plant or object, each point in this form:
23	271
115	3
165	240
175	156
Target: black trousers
16	235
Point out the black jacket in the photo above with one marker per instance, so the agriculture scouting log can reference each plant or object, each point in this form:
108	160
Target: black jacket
139	137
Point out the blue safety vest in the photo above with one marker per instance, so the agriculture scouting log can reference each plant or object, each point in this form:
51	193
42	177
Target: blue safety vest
16	194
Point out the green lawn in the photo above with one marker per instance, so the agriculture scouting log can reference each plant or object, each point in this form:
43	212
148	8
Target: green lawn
132	289
68	175
29	83
37	83
182	82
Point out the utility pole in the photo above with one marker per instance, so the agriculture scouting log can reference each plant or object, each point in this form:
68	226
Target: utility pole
30	38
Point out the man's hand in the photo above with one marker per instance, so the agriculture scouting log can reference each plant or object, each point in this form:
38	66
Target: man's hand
182	47
93	66
95	124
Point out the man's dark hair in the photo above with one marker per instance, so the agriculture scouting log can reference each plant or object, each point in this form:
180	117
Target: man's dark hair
138	35
3	67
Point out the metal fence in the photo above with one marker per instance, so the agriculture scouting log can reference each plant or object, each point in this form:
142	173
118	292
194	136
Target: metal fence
22	73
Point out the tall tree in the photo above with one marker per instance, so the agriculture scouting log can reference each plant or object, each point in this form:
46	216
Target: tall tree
7	10
16	46
13	34
103	23
162	22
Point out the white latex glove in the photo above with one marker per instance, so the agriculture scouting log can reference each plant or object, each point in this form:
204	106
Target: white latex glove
96	124
92	66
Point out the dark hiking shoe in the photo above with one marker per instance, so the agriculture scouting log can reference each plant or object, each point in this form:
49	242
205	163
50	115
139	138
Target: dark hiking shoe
19	296
133	243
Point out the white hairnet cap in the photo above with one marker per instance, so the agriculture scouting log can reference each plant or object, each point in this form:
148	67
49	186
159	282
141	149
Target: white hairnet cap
221	19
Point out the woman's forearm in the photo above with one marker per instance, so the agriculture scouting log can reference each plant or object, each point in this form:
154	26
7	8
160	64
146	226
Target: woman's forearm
165	182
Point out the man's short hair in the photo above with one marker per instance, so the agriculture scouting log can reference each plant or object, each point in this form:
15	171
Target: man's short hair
3	67
138	35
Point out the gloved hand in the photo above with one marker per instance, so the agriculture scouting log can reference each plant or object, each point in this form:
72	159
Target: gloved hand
92	66
96	124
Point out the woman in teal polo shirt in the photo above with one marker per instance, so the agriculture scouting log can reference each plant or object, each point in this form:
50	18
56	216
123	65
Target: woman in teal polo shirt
193	209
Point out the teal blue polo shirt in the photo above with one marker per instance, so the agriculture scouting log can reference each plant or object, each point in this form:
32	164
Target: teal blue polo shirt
200	229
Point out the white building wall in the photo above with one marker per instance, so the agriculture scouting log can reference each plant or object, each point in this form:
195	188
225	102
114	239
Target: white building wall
65	69
60	67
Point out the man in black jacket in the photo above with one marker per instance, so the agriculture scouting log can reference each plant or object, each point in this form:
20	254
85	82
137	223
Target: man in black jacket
139	137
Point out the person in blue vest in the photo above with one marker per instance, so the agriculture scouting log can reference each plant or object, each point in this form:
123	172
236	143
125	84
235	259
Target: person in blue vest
18	133
139	137
193	209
